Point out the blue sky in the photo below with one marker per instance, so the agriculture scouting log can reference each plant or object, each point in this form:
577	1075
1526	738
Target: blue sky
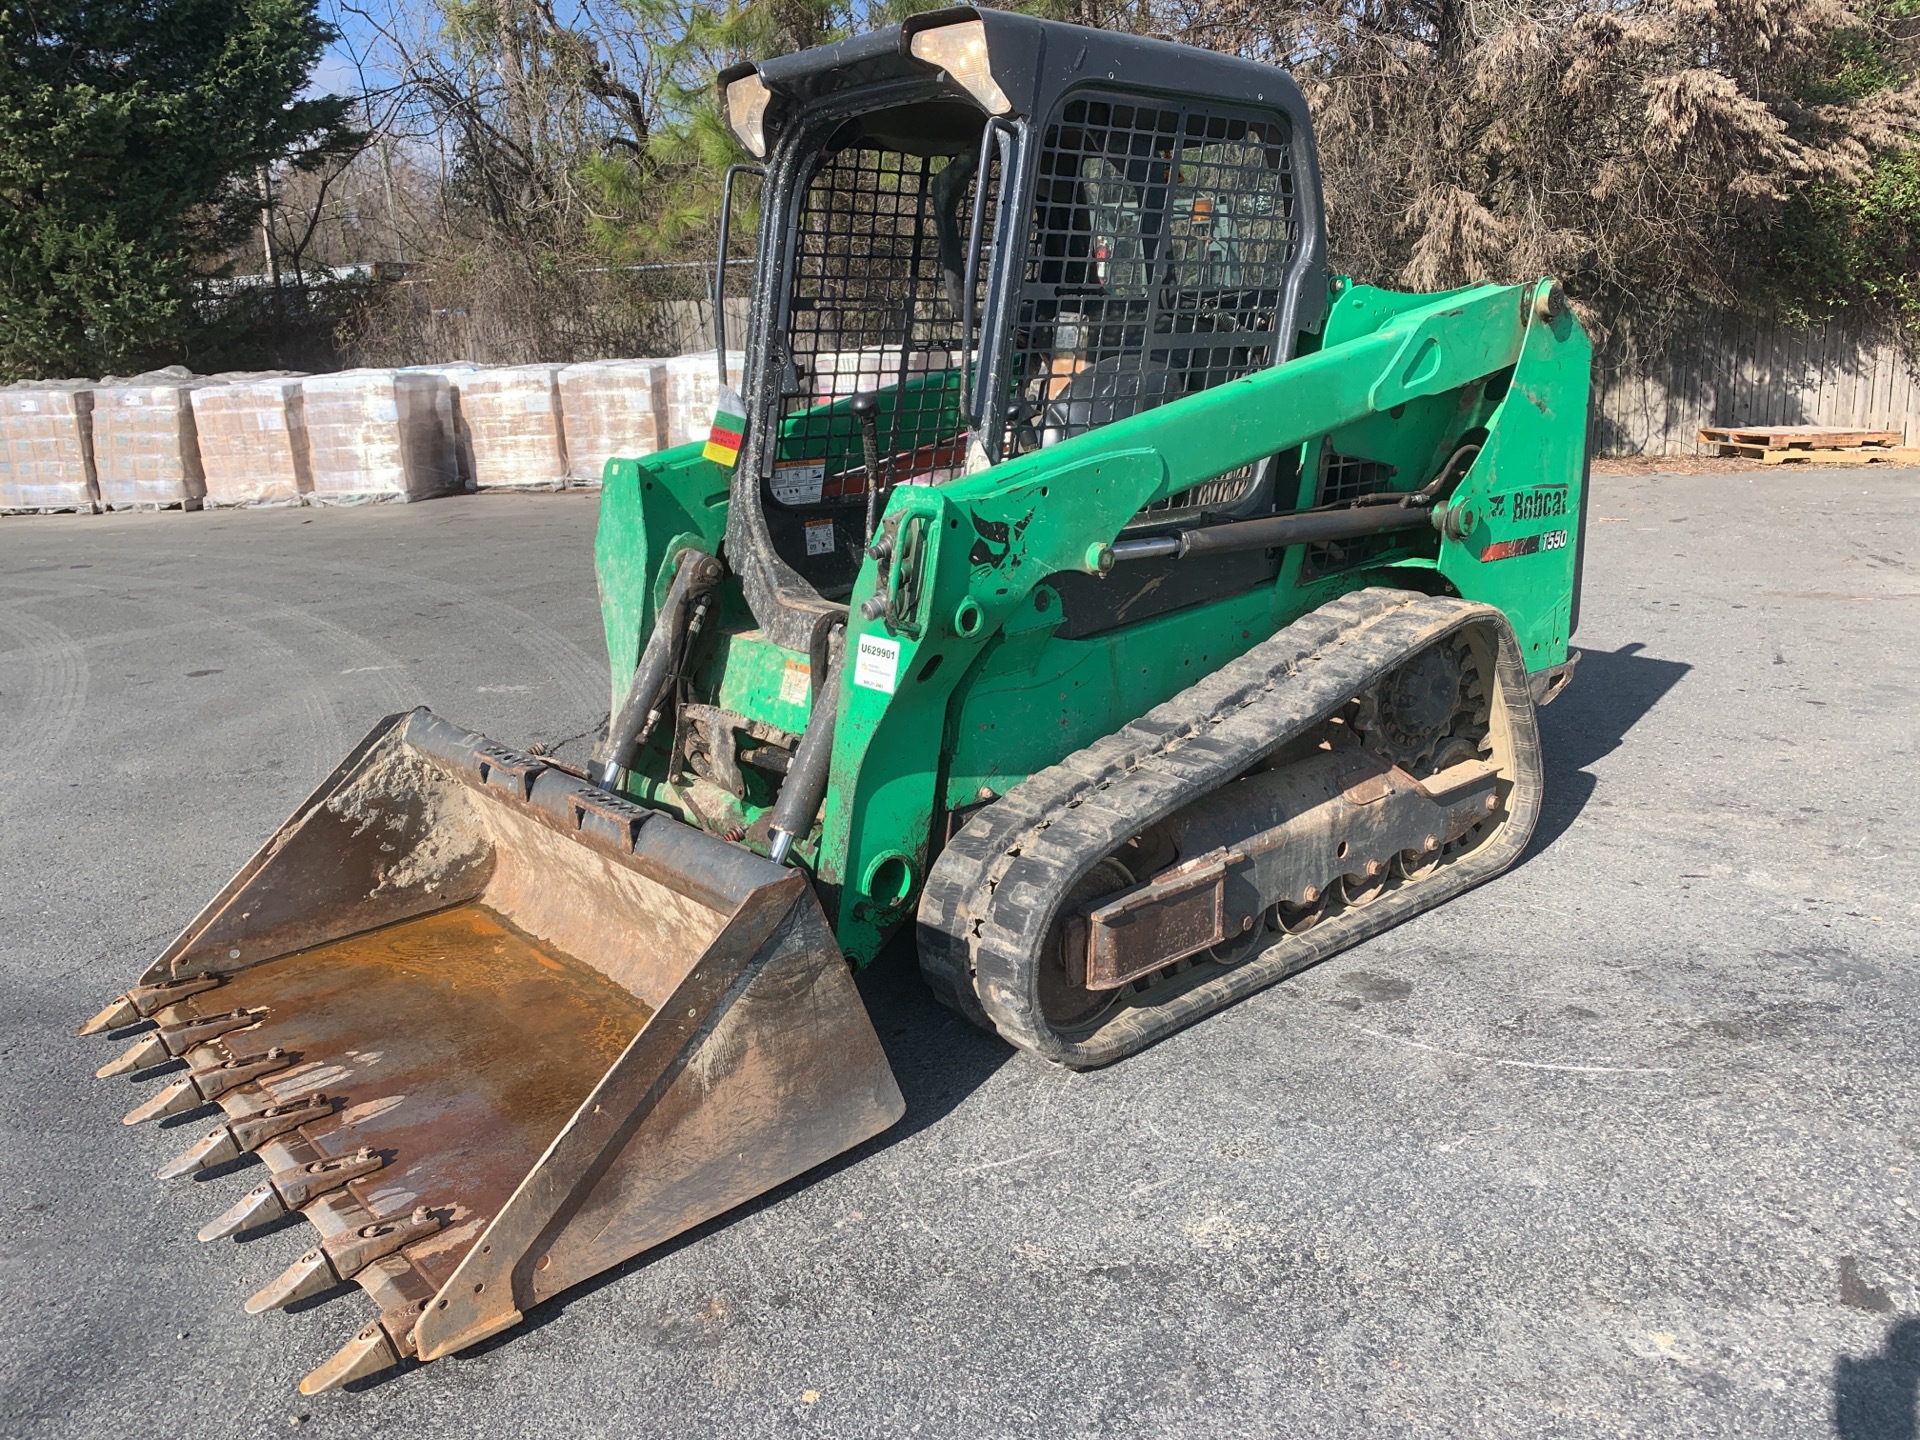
335	74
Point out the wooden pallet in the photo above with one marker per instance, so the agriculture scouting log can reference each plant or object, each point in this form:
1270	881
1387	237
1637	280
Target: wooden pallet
1810	444
1863	455
1797	437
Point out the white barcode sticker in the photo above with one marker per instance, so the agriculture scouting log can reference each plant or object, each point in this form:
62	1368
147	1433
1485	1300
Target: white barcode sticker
800	483
876	664
819	537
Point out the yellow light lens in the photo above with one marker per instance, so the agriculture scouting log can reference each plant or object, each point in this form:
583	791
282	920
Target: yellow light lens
747	100
961	51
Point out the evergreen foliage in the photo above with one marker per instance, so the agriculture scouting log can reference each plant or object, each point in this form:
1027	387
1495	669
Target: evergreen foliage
131	136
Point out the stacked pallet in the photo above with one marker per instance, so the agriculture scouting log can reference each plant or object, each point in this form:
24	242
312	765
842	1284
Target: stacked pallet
512	419
612	408
693	390
456	373
46	447
1810	444
835	375
173	439
380	435
146	449
253	442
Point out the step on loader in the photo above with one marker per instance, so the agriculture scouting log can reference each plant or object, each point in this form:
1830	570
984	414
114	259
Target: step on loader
1083	581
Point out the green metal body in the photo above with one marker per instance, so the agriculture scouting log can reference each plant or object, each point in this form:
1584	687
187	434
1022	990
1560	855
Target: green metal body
967	689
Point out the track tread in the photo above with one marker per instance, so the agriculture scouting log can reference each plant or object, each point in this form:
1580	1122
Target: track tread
992	896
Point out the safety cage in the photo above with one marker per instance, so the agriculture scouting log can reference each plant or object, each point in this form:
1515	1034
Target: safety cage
1000	271
1162	238
1160	243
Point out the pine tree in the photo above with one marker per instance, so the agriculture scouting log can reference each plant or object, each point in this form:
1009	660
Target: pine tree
131	138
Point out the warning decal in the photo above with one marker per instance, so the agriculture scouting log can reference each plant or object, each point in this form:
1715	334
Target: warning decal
796	682
800	483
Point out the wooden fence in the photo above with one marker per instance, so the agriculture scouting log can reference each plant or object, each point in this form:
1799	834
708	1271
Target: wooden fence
1739	371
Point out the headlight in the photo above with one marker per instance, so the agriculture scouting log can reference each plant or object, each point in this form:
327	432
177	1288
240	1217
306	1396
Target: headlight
747	100
961	51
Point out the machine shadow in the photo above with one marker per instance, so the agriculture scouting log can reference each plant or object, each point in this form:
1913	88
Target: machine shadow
1611	691
939	1059
1874	1398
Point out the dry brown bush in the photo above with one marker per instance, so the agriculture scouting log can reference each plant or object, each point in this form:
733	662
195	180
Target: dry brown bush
1644	151
1641	149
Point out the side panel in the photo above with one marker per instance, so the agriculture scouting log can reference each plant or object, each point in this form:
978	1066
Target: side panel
1523	495
1032	700
988	542
649	510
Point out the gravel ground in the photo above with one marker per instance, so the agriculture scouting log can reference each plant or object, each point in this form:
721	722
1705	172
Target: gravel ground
1621	1144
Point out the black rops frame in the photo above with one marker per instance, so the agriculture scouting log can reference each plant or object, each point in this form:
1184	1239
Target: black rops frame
1036	64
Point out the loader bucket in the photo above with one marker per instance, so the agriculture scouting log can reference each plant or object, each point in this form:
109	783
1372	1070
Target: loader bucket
493	1030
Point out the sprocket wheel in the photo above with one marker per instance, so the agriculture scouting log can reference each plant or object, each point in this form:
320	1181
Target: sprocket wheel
1407	715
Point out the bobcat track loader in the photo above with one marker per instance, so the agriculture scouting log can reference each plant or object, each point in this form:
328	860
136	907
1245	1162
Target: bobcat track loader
1081	576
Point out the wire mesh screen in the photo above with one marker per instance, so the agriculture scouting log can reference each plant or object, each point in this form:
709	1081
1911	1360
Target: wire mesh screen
882	241
1163	235
1347	477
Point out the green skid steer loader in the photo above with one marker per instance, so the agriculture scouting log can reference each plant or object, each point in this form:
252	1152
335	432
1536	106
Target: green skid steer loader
1081	577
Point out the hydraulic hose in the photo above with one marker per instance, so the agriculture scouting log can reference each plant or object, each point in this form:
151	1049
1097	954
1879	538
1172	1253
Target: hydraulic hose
694	578
805	787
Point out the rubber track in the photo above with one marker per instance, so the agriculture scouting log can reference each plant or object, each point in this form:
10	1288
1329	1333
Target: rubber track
992	897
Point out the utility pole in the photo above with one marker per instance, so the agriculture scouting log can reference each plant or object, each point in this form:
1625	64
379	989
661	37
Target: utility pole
393	215
266	224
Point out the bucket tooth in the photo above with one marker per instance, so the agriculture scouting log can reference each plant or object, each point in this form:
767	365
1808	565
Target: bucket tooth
149	998
341	1257
254	1131
176	1099
291	1190
261	1205
169	1042
312	1274
240	1137
368	1353
354	1251
213	1081
144	1000
149	1050
210	1082
119	1012
179	1039
215	1148
300	1187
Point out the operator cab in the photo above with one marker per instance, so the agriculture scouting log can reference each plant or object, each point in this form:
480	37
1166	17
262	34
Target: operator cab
1006	240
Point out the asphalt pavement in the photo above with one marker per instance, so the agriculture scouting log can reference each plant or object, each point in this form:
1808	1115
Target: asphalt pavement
1623	1143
